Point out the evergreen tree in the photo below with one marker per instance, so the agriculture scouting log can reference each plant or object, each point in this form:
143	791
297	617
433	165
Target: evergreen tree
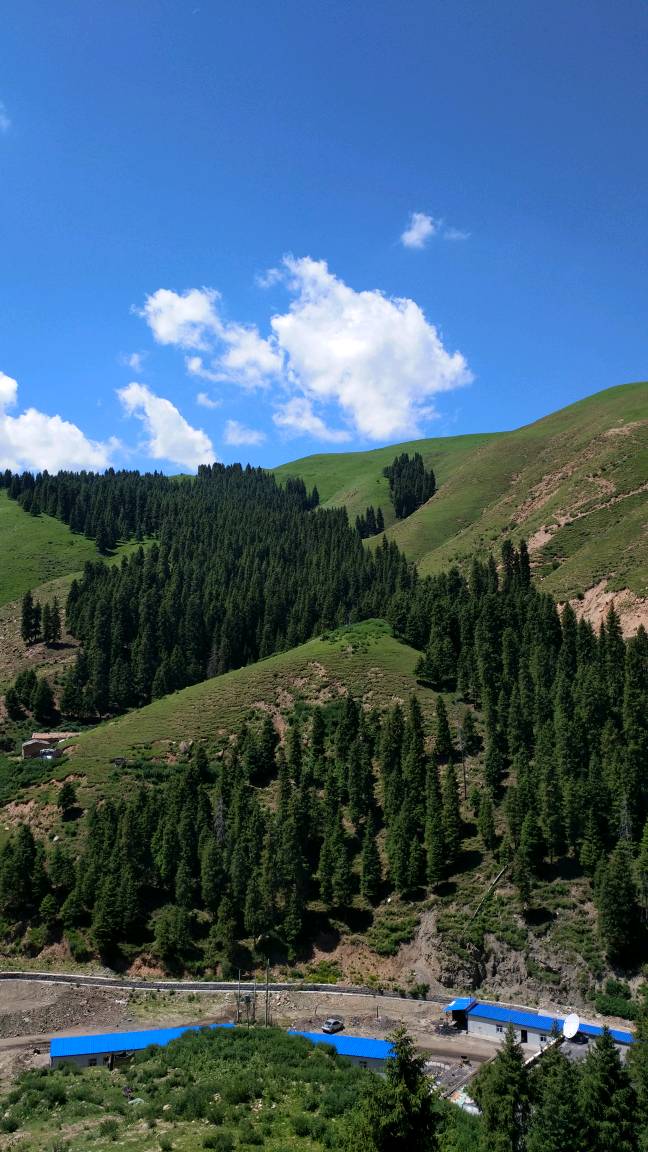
556	1121
618	907
501	1089
43	702
399	1112
67	798
451	816
486	821
607	1100
370	871
106	920
442	736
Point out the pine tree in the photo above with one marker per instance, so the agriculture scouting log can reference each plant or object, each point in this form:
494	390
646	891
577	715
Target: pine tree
370	870
451	816
607	1100
106	920
502	1091
434	841
557	1122
486	821
29	619
618	907
442	736
398	1113
43	702
638	1065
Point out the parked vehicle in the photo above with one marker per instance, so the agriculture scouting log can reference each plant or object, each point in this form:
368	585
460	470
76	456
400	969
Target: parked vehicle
333	1024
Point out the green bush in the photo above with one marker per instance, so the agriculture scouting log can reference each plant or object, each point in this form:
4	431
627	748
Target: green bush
109	1128
219	1141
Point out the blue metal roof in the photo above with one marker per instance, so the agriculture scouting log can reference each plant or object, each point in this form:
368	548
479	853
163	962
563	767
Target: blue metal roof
359	1046
111	1042
460	1004
537	1021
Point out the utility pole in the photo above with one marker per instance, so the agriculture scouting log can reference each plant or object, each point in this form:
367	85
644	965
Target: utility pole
238	999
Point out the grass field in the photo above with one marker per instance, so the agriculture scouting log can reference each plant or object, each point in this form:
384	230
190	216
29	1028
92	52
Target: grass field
573	483
364	659
36	549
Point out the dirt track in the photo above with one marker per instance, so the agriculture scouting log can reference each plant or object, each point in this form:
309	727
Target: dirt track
32	1013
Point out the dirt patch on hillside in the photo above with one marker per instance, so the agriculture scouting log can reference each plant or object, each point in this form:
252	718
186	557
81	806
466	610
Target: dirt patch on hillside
16	657
595	604
624	429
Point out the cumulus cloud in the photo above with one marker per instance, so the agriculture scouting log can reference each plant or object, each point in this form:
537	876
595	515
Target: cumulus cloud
420	229
191	320
133	360
297	418
236	433
187	319
5	122
169	436
378	357
205	401
33	441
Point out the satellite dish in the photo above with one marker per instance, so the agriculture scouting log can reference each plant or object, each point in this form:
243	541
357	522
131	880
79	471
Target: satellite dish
571	1026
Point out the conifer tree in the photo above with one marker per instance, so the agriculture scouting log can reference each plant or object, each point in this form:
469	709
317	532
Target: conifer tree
557	1121
486	821
43	702
501	1089
434	841
370	871
618	907
607	1100
442	736
451	815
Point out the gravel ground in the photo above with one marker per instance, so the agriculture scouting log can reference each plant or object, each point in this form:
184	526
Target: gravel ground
31	1013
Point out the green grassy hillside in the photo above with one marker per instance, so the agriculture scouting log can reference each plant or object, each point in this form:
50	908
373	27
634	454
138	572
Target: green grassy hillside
363	659
574	483
36	549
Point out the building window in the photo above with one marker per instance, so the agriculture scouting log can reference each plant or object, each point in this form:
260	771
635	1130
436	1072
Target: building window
500	1027
92	1063
543	1039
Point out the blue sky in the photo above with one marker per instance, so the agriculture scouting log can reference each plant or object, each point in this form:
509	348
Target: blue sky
260	230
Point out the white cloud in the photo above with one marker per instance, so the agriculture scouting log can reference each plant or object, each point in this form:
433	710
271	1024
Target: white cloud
206	401
236	433
455	234
34	441
190	320
8	391
133	360
249	359
297	418
268	278
169	436
187	319
5	122
420	229
378	357
195	366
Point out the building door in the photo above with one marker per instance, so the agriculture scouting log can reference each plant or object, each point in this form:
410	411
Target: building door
524	1036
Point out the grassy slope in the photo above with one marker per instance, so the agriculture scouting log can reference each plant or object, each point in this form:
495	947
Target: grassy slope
570	463
363	658
36	549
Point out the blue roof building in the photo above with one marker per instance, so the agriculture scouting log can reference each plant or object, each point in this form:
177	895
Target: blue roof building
532	1028
91	1051
362	1050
